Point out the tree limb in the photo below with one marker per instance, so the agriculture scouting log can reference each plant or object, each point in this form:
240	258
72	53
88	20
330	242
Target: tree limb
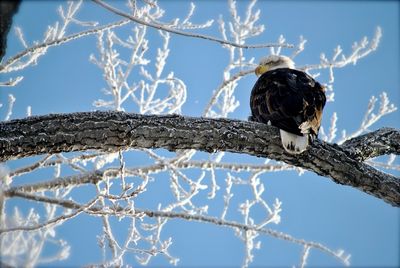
381	142
178	32
111	131
91	208
57	42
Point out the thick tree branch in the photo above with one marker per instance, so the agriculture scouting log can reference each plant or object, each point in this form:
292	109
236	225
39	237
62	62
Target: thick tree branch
381	142
112	131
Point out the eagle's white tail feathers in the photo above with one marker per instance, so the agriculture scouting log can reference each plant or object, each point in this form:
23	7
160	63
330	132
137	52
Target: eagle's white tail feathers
293	143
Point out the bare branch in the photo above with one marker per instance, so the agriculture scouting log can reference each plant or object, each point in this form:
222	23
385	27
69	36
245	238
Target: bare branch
7	66
12	82
224	84
55	221
113	131
175	31
359	51
139	213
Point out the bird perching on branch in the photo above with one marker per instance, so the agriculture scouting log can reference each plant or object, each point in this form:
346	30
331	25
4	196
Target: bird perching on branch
288	99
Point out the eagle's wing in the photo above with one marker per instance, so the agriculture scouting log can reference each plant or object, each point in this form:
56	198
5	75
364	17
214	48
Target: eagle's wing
288	99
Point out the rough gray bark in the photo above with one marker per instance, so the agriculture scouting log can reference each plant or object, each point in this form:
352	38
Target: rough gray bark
112	131
381	142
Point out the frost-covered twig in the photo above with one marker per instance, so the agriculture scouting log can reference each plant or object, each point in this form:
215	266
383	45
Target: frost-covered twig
175	31
146	92
37	50
24	248
113	172
47	162
331	135
11	101
299	47
55	221
12	82
218	222
339	60
304	256
222	101
222	87
372	115
137	212
107	230
359	50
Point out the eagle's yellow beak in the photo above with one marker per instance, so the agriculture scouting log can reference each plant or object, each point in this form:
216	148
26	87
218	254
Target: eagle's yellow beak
261	69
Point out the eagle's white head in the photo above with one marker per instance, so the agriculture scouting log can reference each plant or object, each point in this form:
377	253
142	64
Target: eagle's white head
273	62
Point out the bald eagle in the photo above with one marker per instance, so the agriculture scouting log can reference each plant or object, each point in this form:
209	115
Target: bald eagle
288	99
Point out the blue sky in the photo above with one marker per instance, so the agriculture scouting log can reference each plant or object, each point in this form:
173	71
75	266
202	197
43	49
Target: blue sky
314	208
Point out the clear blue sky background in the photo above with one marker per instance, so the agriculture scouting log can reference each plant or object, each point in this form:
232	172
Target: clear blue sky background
314	208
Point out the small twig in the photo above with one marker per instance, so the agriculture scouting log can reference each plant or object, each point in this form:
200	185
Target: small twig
225	83
11	101
12	82
57	220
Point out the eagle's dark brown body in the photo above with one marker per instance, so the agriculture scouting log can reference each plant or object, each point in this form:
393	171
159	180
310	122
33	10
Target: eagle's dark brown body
290	100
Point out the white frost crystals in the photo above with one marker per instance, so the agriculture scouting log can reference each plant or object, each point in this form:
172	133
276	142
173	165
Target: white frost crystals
146	93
